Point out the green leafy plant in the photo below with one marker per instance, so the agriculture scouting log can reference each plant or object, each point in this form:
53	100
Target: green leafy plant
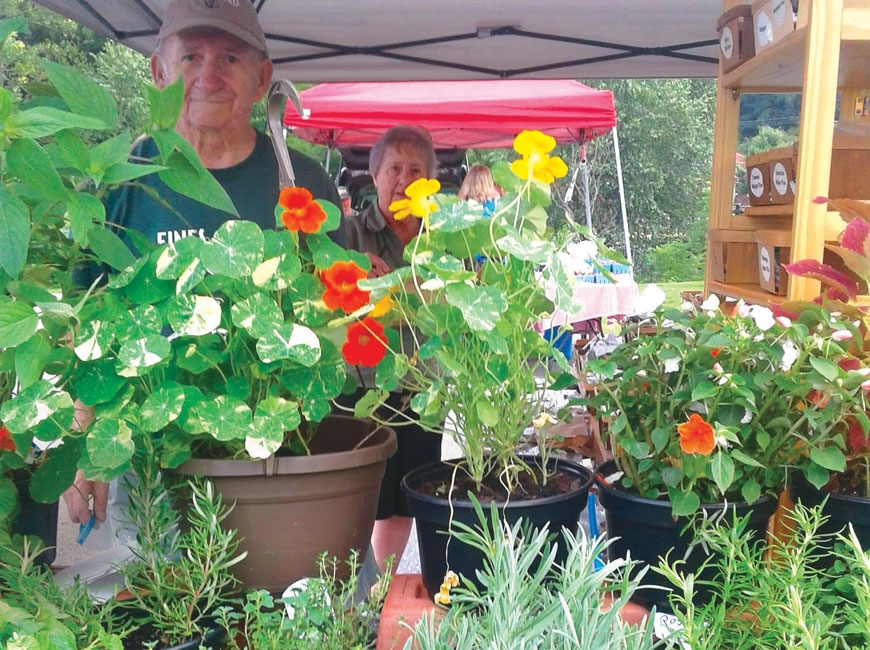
52	219
528	600
319	615
177	578
774	598
469	348
707	406
35	614
840	295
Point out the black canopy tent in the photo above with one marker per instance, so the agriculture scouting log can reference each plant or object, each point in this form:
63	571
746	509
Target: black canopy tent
382	40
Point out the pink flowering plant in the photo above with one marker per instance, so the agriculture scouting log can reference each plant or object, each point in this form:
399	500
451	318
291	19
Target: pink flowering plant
841	287
716	404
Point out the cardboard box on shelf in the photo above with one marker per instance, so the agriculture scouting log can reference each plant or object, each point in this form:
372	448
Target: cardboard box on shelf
774	250
736	39
771	176
772	20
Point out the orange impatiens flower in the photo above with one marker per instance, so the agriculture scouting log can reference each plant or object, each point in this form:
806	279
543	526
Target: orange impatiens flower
6	441
301	211
342	291
696	436
366	344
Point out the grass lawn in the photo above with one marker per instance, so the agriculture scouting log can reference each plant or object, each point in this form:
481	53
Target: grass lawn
672	290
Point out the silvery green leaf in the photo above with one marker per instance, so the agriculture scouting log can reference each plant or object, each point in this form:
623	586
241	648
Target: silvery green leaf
177	257
284	412
235	250
258	315
36	404
481	306
126	276
454	217
93	339
290	341
18	322
161	407
225	418
142	321
110	443
513	243
265	439
560	282
144	352
194	315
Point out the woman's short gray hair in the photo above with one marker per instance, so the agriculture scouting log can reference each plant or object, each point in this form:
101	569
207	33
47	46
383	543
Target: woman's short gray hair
415	137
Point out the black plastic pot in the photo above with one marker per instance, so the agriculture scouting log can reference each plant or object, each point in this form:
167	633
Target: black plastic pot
646	529
434	515
840	509
34	518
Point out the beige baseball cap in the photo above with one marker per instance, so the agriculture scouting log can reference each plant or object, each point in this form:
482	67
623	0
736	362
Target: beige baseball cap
236	17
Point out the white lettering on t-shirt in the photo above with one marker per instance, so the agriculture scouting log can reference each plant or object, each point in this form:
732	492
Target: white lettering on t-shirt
172	236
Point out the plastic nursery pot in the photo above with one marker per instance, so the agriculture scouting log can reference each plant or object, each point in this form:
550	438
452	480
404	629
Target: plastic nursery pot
434	516
34	518
646	530
840	509
214	639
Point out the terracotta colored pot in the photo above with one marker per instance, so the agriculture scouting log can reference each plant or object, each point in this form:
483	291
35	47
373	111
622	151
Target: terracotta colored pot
289	510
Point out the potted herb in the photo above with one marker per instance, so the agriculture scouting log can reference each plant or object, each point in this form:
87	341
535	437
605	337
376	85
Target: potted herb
844	485
180	573
708	410
475	363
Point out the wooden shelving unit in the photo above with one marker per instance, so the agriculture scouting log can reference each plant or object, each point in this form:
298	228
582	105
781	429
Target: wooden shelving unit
827	57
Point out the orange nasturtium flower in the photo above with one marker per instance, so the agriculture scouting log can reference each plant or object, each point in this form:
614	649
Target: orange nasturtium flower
6	441
536	162
301	211
696	436
342	291
417	203
715	352
366	344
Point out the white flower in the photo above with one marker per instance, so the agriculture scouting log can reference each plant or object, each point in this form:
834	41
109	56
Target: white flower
841	335
722	441
762	316
785	321
743	310
672	365
789	355
711	303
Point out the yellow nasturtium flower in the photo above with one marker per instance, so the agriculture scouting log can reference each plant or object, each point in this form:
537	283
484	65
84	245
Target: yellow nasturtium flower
383	306
417	203
536	162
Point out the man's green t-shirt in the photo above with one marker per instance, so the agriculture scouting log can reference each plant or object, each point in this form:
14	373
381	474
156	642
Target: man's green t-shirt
163	215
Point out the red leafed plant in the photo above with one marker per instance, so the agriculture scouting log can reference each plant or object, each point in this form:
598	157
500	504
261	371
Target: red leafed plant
840	294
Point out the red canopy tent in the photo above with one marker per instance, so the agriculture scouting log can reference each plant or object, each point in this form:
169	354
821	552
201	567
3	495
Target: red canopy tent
458	114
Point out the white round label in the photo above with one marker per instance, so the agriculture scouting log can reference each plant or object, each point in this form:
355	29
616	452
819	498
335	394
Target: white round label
764	258
756	182
763	29
726	42
780	179
781	9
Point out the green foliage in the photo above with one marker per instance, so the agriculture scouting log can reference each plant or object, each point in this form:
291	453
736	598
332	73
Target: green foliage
761	395
177	579
760	110
776	602
766	139
35	614
527	600
679	261
317	615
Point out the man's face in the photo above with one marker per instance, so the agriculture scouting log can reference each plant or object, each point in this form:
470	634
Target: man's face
223	77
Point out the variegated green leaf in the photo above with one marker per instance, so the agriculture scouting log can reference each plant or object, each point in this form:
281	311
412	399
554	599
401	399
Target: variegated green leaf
258	315
144	352
110	443
161	407
290	341
481	306
225	418
193	315
235	250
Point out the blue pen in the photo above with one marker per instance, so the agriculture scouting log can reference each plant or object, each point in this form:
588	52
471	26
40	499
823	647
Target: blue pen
85	529
593	527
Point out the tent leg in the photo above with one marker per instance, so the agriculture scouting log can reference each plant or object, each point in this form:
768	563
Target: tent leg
621	195
587	201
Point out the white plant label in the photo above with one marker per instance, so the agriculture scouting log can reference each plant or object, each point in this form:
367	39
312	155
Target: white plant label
756	182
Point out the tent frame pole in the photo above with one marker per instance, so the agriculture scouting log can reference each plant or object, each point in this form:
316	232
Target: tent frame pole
621	196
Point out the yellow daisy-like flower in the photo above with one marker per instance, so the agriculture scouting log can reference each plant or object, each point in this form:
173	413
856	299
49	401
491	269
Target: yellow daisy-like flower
536	161
383	306
451	579
417	203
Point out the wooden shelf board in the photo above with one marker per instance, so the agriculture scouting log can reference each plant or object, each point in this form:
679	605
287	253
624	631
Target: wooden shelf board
781	67
769	210
751	293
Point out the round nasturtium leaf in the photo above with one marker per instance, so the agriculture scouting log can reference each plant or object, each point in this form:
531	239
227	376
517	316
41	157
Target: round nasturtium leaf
225	418
93	340
144	352
258	315
192	315
161	407
235	250
110	443
290	341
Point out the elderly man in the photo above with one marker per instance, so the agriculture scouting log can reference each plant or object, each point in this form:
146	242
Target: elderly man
218	48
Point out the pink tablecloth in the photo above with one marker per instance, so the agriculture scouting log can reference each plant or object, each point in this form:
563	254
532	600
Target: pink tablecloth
598	300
